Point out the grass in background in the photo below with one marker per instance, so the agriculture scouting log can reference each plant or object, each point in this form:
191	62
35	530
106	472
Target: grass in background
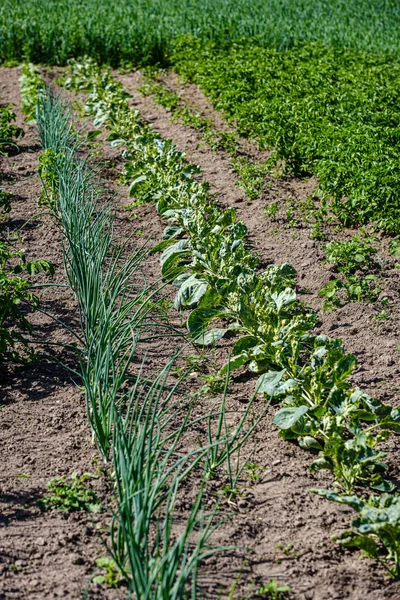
52	31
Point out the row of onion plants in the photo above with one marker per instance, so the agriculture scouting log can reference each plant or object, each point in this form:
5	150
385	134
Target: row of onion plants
140	421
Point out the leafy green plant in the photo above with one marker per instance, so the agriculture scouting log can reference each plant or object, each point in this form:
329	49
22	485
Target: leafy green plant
394	247
252	176
352	289
349	258
273	590
71	494
254	471
110	574
352	256
271	210
8	132
214	383
16	298
378	518
31	84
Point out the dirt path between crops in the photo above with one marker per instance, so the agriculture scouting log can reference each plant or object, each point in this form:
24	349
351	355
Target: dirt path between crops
45	430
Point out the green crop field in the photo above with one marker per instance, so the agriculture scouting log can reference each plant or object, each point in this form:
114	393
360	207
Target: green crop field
142	30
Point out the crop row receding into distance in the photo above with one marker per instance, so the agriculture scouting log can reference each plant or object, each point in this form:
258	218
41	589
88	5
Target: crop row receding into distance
205	256
139	421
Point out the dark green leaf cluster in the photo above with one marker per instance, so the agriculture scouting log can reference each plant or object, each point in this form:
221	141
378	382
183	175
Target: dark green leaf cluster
8	132
71	494
329	112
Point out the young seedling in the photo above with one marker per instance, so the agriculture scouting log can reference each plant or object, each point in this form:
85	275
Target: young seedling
71	494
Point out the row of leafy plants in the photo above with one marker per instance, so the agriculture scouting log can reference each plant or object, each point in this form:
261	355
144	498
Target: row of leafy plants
353	259
327	112
139	421
252	174
17	296
205	256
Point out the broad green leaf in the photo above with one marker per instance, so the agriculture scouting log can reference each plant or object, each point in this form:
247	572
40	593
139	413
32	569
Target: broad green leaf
309	443
135	183
210	337
352	501
271	384
91	135
288	296
190	293
171	256
172	231
235	362
161	246
285	418
200	318
383	486
244	343
351	539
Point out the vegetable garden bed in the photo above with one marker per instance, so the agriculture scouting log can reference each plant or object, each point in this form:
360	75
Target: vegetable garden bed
286	528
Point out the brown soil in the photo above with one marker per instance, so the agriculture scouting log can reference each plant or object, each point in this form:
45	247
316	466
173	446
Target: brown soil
45	430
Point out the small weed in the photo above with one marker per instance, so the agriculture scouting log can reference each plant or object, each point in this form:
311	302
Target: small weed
111	575
232	493
317	233
348	258
382	316
288	551
271	210
73	495
194	363
273	590
214	383
22	475
254	471
252	176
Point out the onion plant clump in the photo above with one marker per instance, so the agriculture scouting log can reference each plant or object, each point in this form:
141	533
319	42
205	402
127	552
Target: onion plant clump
156	555
205	256
111	306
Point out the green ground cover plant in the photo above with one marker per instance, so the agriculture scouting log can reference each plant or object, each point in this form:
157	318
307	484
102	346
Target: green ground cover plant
71	494
353	259
205	255
328	112
9	132
17	297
